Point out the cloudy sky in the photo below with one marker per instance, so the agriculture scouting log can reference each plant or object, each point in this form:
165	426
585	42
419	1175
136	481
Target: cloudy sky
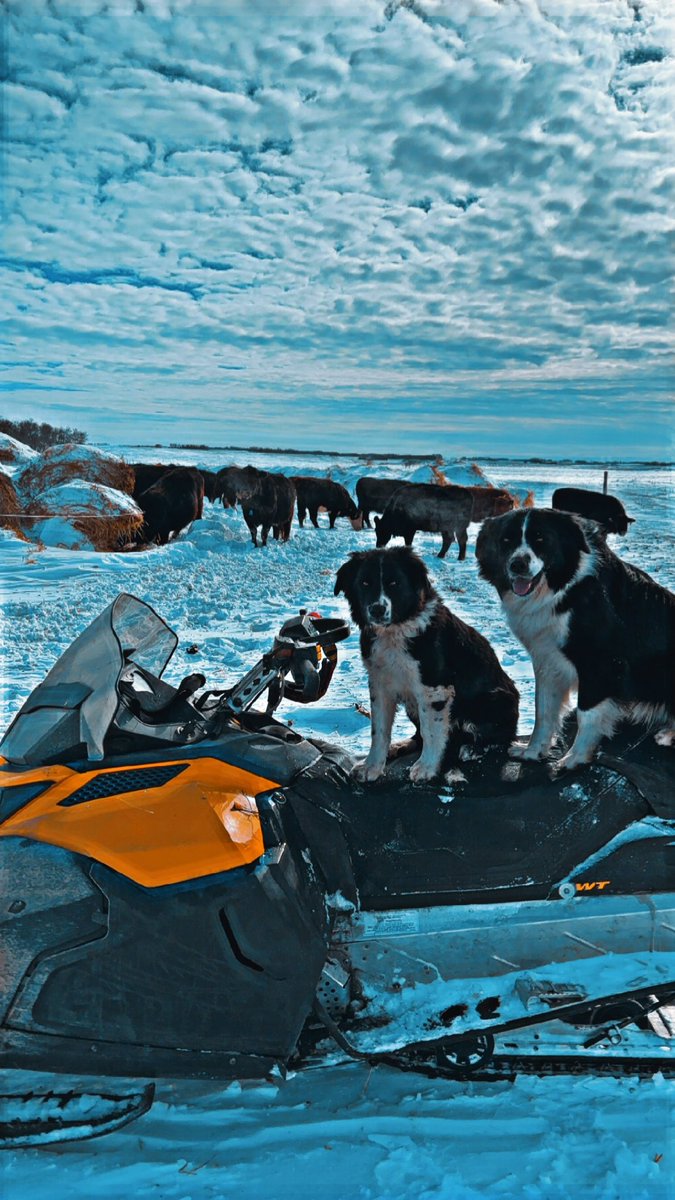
358	224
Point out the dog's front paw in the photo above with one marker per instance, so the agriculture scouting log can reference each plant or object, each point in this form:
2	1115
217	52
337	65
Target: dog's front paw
524	752
422	772
367	772
571	761
468	753
454	775
665	737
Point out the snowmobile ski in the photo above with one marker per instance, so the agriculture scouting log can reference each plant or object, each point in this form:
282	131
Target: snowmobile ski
38	1119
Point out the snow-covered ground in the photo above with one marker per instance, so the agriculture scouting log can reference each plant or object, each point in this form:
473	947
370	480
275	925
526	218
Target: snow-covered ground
345	1133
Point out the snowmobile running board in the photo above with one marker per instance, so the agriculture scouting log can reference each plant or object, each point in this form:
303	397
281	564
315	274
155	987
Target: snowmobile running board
472	1055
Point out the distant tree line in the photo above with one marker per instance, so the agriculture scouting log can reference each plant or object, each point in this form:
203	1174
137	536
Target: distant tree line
40	435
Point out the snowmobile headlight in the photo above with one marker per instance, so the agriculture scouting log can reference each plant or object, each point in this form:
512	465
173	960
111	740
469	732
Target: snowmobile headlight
238	814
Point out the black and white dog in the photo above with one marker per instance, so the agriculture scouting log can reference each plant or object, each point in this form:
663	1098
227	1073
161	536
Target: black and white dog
421	655
591	623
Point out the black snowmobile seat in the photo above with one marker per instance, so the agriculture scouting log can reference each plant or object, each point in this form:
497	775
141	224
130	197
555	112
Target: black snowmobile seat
500	836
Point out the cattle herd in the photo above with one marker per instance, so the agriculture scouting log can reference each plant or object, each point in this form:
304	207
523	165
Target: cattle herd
171	496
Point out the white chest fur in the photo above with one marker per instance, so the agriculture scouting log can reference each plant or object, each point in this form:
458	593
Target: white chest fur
544	633
536	624
391	667
394	677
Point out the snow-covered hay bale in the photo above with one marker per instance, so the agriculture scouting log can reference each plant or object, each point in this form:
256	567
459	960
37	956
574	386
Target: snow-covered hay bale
64	464
104	517
463	473
455	471
15	452
10	505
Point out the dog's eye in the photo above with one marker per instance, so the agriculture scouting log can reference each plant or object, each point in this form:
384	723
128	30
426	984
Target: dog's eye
538	539
365	583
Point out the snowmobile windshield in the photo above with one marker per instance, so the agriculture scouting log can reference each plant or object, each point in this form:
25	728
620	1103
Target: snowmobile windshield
78	698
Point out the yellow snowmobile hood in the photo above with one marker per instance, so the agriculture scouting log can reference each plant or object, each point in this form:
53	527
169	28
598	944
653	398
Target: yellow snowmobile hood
156	823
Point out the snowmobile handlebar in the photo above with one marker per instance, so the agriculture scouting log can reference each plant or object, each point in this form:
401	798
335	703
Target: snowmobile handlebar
305	650
309	629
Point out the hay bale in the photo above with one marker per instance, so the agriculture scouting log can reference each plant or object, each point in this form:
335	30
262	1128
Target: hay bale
83	516
12	451
10	506
64	464
9	502
460	473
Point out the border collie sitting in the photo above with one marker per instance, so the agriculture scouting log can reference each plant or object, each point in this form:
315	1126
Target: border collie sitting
591	624
420	654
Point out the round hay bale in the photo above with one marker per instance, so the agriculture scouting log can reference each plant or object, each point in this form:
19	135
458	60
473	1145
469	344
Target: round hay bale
64	464
10	505
105	517
12	451
459	473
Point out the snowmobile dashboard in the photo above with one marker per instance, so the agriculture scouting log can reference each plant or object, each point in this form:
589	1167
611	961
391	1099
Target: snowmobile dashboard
148	705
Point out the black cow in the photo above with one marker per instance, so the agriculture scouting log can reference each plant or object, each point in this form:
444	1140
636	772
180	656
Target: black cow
374	494
267	500
607	511
232	480
318	492
173	502
210	484
431	508
147	474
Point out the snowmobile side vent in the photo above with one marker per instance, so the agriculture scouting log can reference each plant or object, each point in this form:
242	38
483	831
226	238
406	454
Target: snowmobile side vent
116	783
13	798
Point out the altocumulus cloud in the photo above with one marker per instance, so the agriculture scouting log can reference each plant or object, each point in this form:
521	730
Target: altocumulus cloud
434	223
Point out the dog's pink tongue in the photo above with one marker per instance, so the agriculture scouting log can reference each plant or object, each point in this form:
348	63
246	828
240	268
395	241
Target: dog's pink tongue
521	585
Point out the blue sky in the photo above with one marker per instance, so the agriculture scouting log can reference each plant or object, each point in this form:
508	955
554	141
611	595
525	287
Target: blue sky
425	225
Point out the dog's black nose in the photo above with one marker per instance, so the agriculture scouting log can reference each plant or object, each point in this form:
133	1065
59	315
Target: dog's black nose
377	611
520	564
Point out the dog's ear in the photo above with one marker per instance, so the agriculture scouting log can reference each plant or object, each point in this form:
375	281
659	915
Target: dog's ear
416	571
486	549
346	574
584	531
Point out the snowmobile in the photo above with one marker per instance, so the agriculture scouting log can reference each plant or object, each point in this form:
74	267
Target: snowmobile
193	889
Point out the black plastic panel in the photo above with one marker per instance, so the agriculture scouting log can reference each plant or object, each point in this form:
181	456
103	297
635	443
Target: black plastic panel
171	973
15	797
